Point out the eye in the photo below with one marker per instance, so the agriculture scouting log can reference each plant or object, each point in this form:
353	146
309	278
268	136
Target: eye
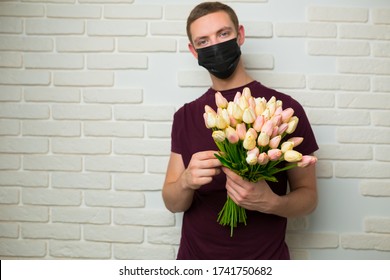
201	42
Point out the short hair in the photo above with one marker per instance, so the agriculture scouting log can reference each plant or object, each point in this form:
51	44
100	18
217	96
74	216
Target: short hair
206	8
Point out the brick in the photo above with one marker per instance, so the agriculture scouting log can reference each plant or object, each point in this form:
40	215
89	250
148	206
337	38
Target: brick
195	78
374	188
106	1
22	248
24	179
114	199
24	111
170	236
10	93
10	60
378	242
146	217
382	153
80	44
24	77
81	146
145	113
9	127
146	44
344	152
371	32
324	169
158	164
114	129
380	118
254	29
50	231
84	79
363	101
381	49
377	224
138	182
116	28
133	12
49	94
54	61
363	135
381	84
337	82
24	213
312	240
177	12
24	145
9	196
50	128
337	14
143	252
361	170
339	117
52	163
79	250
33	44
122	96
310	30
298	223
51	197
11	25
364	66
299	255
173	28
73	11
21	10
258	61
9	230
145	147
81	215
381	16
81	112
10	162
315	99
116	234
119	62
81	180
159	130
54	27
338	48
115	163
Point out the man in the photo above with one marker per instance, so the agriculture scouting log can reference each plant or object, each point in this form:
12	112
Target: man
195	182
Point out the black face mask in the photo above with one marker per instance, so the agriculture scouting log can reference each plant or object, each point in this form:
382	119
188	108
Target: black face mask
221	59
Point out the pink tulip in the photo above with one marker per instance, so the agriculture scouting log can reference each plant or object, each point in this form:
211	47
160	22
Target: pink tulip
237	97
268	127
208	109
263	159
296	140
241	130
292	156
231	135
287	114
220	100
274	154
274	142
275	132
252	155
282	128
306	161
263	139
258	124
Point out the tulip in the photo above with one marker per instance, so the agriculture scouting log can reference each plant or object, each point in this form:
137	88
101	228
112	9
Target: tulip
224	114
271	107
296	140
306	161
263	139
282	128
266	114
231	135
237	97
260	106
258	124
252	155
275	132
249	116
263	159
268	127
233	122
220	100
247	93
250	139
277	120
241	130
292	125
218	136
243	102
208	109
252	104
274	154
210	120
220	122
274	142
237	112
292	156
287	114
287	146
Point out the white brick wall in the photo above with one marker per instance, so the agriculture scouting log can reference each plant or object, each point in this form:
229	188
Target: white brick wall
88	89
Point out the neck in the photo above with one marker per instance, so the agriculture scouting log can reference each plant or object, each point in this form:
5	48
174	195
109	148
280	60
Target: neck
239	78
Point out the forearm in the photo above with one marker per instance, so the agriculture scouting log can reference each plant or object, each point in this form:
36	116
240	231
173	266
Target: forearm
176	196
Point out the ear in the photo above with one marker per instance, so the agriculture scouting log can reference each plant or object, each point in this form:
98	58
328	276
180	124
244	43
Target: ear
241	35
193	50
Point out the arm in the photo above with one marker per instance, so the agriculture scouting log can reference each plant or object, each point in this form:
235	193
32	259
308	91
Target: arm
301	200
180	183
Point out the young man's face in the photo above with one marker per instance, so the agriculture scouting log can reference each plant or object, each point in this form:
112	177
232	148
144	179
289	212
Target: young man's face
212	29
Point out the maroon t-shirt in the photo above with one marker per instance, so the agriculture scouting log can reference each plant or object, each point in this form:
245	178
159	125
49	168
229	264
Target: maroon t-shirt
202	236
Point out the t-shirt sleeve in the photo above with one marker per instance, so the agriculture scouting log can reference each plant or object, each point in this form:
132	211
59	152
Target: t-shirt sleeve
176	131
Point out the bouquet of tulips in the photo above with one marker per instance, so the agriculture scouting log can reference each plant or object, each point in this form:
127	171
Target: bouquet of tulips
249	133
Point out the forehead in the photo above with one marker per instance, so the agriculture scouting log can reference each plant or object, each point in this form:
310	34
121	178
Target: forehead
210	24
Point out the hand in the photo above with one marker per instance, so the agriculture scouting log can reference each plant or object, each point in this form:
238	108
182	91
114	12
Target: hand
252	196
201	169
